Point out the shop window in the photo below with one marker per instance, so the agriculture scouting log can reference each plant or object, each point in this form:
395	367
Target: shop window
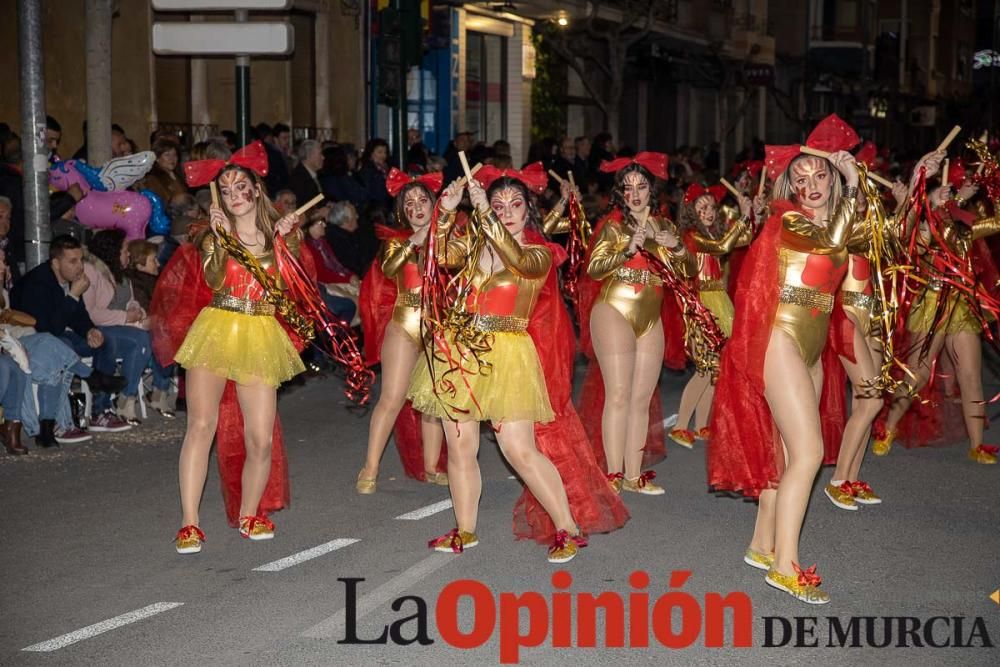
421	100
486	86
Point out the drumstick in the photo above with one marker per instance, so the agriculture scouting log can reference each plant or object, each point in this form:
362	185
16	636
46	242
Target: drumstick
572	181
818	153
215	194
462	180
944	173
309	204
951	136
729	186
559	179
763	180
465	166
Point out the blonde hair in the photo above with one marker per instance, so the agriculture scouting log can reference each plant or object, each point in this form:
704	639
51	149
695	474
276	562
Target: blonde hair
783	188
266	216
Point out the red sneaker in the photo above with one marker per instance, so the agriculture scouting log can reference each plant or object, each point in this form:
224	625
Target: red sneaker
109	422
72	435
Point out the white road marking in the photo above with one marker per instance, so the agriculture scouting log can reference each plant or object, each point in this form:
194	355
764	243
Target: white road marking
99	628
670	421
366	604
425	512
308	554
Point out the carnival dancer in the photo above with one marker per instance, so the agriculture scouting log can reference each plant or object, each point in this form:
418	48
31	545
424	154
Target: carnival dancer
390	315
625	325
236	337
950	314
857	337
468	376
771	376
701	219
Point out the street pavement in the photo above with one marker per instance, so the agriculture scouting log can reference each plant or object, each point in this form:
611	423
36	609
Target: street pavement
90	527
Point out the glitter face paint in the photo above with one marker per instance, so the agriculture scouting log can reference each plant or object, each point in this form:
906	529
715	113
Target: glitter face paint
812	181
635	187
706	210
417	208
237	192
511	208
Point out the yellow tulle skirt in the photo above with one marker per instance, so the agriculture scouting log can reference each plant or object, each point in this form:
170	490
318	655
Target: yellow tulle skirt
247	349
511	388
957	318
720	305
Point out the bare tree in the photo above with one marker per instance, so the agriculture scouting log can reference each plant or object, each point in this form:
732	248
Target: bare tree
601	45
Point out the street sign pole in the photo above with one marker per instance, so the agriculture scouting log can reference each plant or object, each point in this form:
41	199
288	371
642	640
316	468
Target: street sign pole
37	229
242	89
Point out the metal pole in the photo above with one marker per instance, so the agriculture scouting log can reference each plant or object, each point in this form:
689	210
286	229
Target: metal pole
242	90
97	17
37	229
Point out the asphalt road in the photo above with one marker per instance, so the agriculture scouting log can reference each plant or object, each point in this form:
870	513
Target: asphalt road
89	531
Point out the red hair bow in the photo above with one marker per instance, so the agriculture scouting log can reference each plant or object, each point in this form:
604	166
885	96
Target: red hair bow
867	155
696	190
956	173
252	156
752	166
397	180
832	134
533	176
655	163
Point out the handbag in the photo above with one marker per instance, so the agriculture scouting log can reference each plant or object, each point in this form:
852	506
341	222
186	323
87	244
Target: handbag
17	318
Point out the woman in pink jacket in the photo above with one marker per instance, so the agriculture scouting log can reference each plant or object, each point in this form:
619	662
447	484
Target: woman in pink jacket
117	314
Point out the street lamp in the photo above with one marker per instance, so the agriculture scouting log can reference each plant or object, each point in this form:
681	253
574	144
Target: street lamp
562	21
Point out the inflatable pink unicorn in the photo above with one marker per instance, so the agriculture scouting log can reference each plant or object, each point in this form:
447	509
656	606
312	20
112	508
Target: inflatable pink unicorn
106	203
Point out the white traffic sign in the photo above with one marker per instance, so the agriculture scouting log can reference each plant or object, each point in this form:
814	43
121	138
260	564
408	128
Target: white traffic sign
218	5
219	39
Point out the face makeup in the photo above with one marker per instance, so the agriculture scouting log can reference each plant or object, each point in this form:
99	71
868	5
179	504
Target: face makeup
511	208
417	207
237	192
636	190
707	212
812	181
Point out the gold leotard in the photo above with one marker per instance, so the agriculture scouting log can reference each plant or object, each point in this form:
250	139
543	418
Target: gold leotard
400	263
812	261
627	284
711	287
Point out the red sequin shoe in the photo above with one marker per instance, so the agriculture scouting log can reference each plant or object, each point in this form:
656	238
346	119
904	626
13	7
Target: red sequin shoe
565	547
189	539
256	528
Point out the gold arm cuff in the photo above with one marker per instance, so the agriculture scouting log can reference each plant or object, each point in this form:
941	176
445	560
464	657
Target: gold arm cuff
807	298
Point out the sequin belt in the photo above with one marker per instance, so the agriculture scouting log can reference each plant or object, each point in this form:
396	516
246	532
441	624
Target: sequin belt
711	286
858	300
637	276
408	299
935	285
807	298
500	323
237	305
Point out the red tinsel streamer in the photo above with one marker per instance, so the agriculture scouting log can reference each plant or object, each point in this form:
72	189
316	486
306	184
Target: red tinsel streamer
340	344
702	335
576	248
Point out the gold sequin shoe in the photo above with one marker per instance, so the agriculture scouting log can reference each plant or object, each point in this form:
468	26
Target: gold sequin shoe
439	478
803	585
454	542
364	486
615	479
189	539
985	454
864	494
565	547
882	445
758	560
256	528
683	437
644	484
841	495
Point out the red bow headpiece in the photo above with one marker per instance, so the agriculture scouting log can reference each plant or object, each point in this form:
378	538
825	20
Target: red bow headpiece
831	135
397	180
533	176
752	166
696	190
655	163
252	156
867	155
956	173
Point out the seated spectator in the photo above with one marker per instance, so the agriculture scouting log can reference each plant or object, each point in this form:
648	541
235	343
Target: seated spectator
143	269
342	235
164	179
285	201
113	308
304	181
183	211
52	294
13	382
374	170
338	286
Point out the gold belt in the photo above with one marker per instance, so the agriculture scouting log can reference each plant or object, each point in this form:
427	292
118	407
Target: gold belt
500	323
637	276
408	299
858	300
807	298
935	285
711	286
237	305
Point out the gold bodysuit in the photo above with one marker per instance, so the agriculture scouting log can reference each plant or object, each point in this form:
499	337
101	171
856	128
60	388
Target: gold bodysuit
812	261
230	278
709	251
400	262
627	284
